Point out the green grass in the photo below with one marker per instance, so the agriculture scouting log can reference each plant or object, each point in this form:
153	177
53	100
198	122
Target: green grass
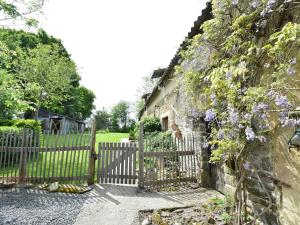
64	161
110	137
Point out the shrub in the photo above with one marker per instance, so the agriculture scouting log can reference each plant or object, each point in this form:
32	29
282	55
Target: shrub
151	124
21	123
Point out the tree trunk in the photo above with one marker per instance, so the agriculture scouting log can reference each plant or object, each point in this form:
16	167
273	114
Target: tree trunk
36	113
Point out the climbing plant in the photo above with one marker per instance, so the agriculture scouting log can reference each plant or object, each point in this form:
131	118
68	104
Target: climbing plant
249	79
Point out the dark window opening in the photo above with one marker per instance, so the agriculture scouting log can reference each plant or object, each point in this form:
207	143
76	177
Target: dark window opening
165	124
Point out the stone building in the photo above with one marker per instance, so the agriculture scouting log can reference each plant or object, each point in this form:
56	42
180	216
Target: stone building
279	165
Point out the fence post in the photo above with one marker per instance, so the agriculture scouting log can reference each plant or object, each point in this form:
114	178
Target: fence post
93	156
141	157
23	154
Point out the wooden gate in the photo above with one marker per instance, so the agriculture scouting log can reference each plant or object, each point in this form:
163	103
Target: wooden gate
167	161
117	163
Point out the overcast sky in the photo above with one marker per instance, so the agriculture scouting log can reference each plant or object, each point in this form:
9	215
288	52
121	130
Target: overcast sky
116	42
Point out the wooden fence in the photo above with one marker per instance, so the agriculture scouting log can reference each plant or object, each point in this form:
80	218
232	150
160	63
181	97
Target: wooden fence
72	158
167	161
37	158
117	163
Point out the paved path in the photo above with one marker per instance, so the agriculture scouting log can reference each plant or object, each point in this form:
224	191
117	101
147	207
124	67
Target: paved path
120	204
104	205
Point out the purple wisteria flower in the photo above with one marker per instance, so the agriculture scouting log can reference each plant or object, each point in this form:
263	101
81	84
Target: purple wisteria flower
233	116
260	107
282	101
272	94
247	116
254	4
291	71
250	135
235	2
247	166
221	134
210	115
229	75
293	61
269	7
195	113
285	120
213	99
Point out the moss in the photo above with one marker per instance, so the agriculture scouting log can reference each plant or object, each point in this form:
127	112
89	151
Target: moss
157	220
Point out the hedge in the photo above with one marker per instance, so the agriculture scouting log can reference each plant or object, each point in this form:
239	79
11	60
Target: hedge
20	123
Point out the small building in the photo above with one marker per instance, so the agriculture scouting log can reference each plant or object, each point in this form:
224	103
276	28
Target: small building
54	122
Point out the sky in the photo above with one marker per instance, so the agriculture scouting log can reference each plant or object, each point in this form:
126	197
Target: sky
115	42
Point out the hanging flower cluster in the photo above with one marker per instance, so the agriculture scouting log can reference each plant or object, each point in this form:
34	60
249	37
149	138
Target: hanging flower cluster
246	82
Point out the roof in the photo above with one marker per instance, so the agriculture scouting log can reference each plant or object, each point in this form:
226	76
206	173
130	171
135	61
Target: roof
158	73
43	113
195	30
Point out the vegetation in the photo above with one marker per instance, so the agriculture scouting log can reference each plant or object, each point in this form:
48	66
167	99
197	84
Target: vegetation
27	59
117	120
248	81
21	124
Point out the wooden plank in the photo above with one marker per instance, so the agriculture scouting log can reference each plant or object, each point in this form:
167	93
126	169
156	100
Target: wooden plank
141	157
67	154
106	161
134	163
130	153
22	158
102	162
115	163
14	156
78	154
110	167
118	164
54	153
92	162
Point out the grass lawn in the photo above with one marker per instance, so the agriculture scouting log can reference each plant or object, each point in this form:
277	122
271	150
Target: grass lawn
72	163
110	137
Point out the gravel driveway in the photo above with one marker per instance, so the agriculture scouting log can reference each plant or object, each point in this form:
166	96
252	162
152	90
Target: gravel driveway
104	205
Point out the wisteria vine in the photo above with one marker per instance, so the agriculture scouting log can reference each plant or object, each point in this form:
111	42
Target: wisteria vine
251	76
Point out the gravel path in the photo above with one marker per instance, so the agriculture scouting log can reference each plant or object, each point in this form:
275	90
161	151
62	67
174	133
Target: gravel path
104	205
30	206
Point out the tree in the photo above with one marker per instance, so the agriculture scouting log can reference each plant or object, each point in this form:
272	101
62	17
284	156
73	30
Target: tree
120	116
146	85
102	118
11	95
45	76
80	104
18	11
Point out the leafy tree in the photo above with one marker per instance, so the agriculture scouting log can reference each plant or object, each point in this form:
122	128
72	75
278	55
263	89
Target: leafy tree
45	76
80	104
146	85
12	12
102	118
11	94
120	116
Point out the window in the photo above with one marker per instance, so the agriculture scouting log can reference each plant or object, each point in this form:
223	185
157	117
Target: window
165	124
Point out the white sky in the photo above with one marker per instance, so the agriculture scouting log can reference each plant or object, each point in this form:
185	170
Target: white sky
116	42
